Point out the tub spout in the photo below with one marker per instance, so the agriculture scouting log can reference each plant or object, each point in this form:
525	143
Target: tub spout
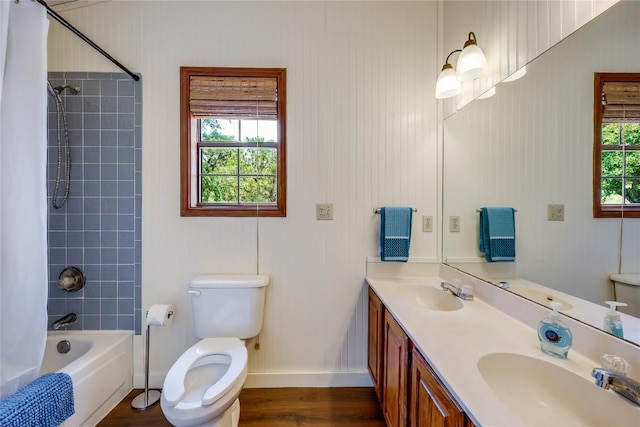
64	321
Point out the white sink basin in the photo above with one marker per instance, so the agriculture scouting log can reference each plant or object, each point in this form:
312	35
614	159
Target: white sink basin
544	394
429	298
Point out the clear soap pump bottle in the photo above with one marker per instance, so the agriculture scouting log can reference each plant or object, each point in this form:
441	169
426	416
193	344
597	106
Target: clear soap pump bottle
612	322
555	336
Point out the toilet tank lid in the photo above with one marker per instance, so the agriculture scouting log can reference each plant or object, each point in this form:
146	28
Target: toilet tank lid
209	281
626	278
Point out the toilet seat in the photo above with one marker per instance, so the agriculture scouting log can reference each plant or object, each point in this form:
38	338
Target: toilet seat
174	388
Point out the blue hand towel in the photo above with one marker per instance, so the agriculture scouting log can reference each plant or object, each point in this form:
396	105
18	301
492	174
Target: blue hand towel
395	233
45	402
497	234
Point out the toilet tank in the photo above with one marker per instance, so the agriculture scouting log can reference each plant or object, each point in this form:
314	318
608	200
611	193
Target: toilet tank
229	305
628	291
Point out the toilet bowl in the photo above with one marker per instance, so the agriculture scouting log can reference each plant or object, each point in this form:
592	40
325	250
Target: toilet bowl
202	386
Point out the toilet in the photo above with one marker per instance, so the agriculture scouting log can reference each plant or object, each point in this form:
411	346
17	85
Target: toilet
202	386
627	288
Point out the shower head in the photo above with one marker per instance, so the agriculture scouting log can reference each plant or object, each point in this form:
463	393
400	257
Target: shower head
73	88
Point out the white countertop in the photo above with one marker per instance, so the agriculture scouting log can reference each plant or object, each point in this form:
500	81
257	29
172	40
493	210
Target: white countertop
454	341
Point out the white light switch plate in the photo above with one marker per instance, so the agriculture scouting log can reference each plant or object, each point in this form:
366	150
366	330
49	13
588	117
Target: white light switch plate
324	211
555	212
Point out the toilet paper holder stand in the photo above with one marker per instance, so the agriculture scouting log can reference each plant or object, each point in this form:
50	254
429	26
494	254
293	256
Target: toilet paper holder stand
147	397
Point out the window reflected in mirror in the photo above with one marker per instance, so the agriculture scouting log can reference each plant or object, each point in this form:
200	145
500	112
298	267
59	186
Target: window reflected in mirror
616	183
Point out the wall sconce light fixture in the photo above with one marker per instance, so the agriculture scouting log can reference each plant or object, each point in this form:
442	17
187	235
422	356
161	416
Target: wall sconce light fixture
448	84
471	63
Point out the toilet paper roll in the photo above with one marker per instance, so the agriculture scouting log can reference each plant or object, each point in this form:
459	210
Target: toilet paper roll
160	315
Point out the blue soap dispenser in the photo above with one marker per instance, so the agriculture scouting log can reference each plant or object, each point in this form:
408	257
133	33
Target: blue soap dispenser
555	336
612	322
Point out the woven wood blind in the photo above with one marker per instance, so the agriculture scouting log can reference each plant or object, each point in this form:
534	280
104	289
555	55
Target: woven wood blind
621	102
233	97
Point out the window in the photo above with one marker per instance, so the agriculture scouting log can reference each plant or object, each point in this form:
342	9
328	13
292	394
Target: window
233	141
616	176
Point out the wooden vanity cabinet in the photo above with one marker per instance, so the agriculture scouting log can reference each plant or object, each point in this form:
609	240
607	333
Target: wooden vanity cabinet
388	362
375	358
410	393
430	404
395	373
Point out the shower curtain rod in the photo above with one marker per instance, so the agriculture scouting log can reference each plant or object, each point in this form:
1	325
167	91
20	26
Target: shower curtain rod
87	40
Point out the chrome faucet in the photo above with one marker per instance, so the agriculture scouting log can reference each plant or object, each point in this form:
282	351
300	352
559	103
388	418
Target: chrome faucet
460	292
64	321
619	383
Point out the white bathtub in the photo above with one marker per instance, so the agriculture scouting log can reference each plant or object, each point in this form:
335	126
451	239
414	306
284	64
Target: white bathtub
100	364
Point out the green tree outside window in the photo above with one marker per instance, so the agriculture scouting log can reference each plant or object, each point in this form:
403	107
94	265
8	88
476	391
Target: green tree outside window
620	168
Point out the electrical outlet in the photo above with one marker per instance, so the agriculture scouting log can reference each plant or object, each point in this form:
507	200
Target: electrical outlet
454	224
427	224
555	212
324	211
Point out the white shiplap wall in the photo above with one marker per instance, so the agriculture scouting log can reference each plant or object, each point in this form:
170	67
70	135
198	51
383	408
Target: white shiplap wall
511	33
362	133
531	145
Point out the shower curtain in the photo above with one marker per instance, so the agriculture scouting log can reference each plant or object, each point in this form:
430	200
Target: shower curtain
23	223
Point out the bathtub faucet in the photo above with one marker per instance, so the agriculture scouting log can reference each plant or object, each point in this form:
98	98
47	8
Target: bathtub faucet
64	321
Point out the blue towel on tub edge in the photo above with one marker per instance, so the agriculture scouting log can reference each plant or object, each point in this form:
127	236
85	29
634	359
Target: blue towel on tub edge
45	402
497	234
395	233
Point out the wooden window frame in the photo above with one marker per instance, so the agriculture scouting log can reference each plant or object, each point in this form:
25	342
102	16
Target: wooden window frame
189	152
600	210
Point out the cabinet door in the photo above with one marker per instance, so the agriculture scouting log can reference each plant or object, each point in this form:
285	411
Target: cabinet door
396	367
429	402
375	356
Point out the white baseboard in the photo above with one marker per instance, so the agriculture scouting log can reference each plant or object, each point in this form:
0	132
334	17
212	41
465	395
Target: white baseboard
308	379
283	379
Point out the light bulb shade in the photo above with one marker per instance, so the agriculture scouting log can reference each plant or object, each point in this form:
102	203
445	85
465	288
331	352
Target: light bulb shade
447	84
471	62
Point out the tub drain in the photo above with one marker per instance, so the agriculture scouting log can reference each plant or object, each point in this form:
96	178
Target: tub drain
64	346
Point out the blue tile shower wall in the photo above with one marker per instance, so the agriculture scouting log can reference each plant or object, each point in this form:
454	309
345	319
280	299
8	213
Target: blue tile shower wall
99	227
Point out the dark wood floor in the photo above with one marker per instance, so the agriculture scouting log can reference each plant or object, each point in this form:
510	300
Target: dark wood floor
276	407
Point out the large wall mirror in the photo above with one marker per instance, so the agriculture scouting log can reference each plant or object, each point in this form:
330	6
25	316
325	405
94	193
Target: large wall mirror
530	147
